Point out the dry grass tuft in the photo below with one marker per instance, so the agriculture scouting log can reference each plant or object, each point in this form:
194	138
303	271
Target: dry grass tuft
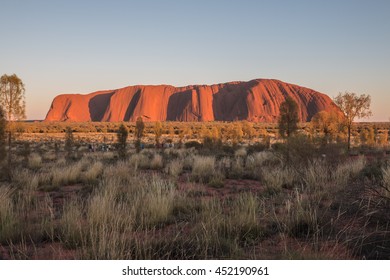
203	168
8	219
66	175
35	161
92	173
174	167
157	162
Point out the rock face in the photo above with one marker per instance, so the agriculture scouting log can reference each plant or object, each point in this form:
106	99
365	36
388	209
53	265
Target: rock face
257	100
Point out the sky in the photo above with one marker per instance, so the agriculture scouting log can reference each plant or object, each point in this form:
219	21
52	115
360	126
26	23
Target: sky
80	46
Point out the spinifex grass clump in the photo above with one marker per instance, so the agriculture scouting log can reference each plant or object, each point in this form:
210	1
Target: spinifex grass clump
23	215
65	175
34	161
157	162
204	170
156	203
8	218
175	167
93	172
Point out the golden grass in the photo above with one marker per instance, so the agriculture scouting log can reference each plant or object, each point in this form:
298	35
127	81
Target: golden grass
92	173
8	219
121	209
277	177
241	152
203	168
157	162
34	161
156	204
65	175
174	168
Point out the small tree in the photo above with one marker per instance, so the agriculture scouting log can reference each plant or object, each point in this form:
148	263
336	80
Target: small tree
288	122
139	132
12	102
327	124
69	142
158	130
122	141
2	136
384	137
371	136
353	106
247	129
288	119
236	133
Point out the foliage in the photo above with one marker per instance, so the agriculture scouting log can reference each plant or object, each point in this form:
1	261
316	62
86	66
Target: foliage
13	104
384	137
12	97
189	206
288	120
235	132
139	132
158	131
327	123
248	130
122	135
353	106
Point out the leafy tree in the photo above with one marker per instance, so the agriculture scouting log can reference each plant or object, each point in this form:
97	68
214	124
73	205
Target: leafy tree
13	103
12	97
2	135
158	130
326	123
122	135
371	136
288	120
139	132
288	123
353	106
384	137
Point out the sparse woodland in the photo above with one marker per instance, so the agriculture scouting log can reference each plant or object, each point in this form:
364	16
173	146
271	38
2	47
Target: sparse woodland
203	191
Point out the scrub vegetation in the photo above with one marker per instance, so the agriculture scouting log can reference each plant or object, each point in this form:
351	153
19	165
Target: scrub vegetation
195	191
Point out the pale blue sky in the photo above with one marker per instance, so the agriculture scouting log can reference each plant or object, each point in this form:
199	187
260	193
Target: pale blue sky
82	46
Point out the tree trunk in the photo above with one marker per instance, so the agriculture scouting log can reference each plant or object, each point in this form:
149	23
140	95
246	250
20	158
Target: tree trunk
9	154
288	152
349	137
